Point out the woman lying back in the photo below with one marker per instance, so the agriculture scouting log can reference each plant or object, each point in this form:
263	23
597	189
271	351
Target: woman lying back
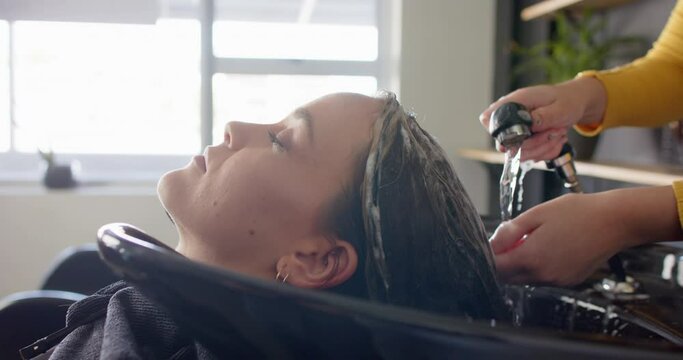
346	193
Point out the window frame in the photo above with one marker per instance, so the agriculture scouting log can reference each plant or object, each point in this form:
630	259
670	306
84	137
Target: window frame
19	166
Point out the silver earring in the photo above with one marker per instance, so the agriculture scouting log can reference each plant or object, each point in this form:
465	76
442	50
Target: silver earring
284	279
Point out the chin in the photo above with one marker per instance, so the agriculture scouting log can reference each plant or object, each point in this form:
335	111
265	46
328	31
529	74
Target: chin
171	188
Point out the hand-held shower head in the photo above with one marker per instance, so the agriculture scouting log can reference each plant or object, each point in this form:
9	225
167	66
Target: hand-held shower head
510	124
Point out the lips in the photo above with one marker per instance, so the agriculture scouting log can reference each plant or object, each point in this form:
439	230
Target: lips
200	161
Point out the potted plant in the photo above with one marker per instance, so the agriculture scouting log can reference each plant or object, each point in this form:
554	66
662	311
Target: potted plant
57	176
578	43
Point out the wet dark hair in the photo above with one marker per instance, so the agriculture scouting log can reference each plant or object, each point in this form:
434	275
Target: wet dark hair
419	239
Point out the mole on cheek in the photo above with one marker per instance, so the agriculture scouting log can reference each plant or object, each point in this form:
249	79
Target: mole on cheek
252	232
214	203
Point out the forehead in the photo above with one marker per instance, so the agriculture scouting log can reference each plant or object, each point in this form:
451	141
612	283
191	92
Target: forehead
343	127
354	111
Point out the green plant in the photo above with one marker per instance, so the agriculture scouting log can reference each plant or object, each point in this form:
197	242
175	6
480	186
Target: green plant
577	44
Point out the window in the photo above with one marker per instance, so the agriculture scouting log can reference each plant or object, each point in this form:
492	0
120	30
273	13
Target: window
117	84
4	87
276	57
239	39
296	29
107	88
270	97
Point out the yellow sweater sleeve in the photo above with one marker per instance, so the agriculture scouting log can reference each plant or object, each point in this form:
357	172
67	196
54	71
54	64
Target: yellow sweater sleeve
648	91
678	192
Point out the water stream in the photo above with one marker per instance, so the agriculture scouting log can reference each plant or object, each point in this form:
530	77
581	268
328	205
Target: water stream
508	181
525	167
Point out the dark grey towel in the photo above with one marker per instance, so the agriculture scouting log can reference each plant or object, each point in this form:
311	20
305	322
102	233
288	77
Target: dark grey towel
118	322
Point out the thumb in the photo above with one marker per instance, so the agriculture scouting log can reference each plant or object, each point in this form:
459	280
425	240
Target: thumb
485	117
509	233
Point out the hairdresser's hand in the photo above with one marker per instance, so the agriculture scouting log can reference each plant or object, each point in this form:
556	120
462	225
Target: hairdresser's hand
567	239
554	108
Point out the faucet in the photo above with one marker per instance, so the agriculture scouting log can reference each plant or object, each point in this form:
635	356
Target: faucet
510	125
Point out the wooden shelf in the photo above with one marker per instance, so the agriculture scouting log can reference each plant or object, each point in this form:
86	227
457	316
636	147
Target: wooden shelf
642	175
548	7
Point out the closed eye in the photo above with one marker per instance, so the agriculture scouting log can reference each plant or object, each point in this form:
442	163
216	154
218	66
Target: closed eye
278	145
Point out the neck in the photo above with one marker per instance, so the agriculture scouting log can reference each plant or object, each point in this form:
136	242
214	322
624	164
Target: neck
199	251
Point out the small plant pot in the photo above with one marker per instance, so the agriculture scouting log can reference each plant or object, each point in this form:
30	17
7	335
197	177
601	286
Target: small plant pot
60	176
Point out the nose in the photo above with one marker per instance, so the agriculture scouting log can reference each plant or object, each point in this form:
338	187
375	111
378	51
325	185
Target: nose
239	134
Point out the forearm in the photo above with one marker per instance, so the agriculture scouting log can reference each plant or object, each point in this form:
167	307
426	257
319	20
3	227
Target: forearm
645	215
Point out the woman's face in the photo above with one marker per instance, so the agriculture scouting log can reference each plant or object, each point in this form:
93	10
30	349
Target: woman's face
261	194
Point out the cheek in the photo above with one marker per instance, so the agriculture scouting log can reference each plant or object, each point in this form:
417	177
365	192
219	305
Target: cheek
237	199
274	197
252	197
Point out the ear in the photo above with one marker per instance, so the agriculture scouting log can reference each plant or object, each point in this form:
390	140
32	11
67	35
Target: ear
327	266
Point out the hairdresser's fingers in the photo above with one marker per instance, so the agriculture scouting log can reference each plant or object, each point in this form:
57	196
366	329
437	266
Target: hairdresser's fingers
524	263
509	233
544	137
485	117
547	151
508	269
555	150
540	143
531	97
515	266
510	272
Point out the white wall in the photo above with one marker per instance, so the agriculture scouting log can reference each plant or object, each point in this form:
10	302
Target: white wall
36	225
447	61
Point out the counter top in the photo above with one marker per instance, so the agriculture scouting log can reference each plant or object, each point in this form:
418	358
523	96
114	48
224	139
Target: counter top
548	7
634	174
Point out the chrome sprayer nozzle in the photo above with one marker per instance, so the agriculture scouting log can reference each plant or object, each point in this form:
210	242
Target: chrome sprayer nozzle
565	169
510	124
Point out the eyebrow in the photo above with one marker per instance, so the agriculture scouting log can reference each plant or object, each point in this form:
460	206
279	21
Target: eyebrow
304	115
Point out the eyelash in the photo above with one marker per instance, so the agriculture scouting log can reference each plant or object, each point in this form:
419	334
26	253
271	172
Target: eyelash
277	144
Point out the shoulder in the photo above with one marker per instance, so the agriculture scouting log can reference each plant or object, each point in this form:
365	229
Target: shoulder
120	322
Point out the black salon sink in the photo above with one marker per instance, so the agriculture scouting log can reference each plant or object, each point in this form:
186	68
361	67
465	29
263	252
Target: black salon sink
650	322
652	315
